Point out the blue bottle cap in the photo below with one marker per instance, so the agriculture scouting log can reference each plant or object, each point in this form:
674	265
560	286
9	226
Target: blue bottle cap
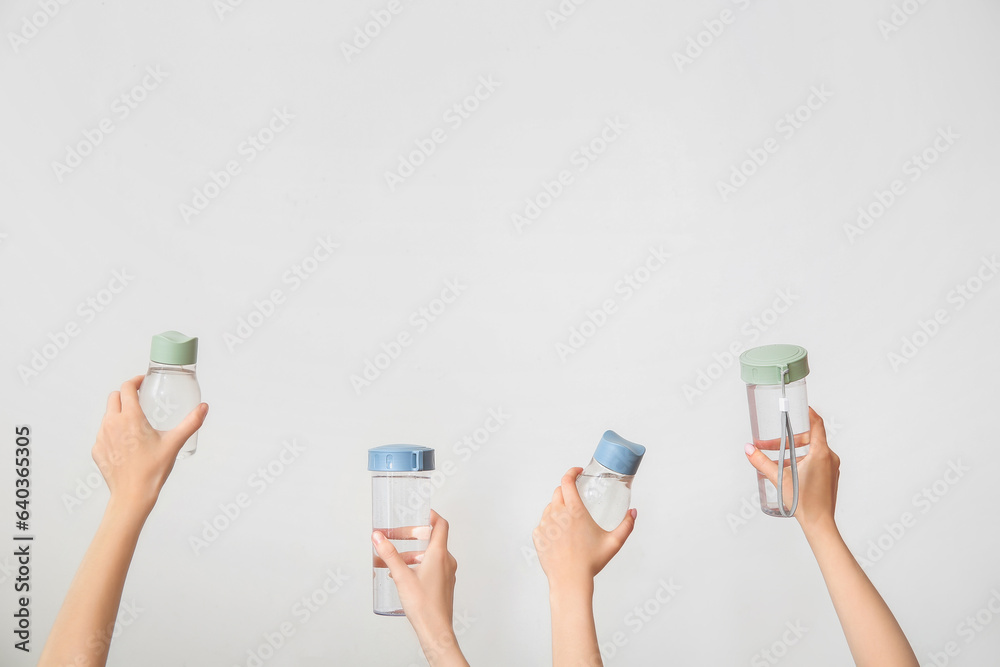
616	453
400	458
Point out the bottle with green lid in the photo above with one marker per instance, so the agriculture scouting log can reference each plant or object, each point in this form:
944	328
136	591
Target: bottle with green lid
170	389
775	376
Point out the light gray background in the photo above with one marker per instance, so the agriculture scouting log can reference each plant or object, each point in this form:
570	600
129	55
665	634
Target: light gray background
897	429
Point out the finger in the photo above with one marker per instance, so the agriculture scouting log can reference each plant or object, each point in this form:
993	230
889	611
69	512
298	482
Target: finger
114	402
397	566
624	529
439	532
130	393
817	431
570	494
557	496
178	435
764	465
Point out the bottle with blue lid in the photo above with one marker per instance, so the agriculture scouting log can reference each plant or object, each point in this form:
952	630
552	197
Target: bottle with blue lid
401	510
605	485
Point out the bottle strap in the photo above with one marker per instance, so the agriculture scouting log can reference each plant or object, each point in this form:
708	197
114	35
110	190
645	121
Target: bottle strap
787	437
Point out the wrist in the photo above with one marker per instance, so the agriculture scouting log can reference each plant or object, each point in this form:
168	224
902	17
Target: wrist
571	589
820	530
121	512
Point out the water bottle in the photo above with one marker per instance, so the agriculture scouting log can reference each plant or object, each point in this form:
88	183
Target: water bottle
170	389
401	510
606	484
779	415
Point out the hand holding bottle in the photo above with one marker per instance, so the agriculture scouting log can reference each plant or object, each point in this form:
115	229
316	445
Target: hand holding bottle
872	633
819	474
572	549
134	458
428	593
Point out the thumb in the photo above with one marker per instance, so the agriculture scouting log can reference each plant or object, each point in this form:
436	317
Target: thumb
179	434
398	568
764	465
624	529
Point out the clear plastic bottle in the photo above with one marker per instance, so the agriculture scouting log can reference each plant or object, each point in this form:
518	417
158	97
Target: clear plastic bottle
775	376
401	510
170	389
606	484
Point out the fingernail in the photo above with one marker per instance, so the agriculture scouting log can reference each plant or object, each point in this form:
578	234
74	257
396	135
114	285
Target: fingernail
749	449
377	537
634	512
204	408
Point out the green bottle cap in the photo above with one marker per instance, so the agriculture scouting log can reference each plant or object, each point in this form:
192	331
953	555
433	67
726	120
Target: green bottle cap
173	347
764	364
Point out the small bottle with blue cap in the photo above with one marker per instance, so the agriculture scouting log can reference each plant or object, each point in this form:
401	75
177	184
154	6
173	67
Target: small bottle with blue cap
401	510
606	483
775	376
170	389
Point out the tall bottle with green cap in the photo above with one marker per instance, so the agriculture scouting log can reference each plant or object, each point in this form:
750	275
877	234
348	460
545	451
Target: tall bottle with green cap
605	485
779	416
170	389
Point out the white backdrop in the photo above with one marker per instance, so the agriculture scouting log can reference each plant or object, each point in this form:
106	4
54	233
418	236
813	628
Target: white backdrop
539	155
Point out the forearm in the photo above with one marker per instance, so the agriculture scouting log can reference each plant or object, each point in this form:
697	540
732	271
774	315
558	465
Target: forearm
441	648
81	634
873	635
574	633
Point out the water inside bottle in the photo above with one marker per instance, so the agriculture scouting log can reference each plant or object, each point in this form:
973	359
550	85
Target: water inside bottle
166	396
411	543
606	497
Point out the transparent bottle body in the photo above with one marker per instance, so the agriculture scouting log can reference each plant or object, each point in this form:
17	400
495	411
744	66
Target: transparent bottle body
168	393
766	422
605	493
401	509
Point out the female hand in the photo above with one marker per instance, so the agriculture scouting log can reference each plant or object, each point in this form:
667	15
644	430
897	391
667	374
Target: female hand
427	592
134	458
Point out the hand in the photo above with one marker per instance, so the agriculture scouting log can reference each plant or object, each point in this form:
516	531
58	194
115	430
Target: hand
427	592
571	547
819	472
134	458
